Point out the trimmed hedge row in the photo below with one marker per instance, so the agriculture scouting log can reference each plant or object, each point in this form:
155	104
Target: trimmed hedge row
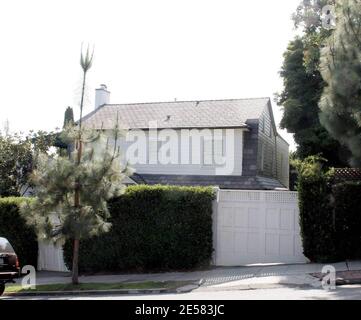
347	208
20	235
153	228
330	214
317	218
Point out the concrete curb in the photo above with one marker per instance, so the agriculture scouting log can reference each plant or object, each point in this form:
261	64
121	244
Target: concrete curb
257	287
180	290
339	281
343	282
89	293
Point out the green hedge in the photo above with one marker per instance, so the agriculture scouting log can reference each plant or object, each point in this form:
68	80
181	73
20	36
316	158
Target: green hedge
316	212
316	220
330	219
14	228
153	228
347	208
330	214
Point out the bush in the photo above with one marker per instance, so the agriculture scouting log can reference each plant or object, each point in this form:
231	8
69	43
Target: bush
316	212
330	216
14	228
153	228
347	206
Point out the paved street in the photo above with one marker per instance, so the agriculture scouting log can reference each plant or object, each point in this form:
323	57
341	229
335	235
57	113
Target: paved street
289	293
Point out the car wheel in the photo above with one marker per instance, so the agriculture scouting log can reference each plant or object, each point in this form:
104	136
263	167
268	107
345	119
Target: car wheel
2	288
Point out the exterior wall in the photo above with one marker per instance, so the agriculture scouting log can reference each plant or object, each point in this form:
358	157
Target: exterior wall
266	161
283	163
269	151
200	168
250	150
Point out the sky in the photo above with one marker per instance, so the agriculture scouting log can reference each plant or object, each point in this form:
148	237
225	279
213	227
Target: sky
144	51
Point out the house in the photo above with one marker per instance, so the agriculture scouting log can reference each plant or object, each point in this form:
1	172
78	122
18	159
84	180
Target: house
231	144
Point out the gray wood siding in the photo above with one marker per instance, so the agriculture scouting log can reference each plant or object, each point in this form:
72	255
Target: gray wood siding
273	151
283	162
266	160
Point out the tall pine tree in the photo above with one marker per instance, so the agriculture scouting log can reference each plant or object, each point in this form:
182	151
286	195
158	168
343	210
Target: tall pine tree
72	190
303	85
341	69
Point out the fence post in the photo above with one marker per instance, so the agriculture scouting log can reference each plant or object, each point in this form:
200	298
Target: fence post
214	224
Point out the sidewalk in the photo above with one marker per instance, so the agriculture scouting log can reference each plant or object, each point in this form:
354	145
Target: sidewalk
250	277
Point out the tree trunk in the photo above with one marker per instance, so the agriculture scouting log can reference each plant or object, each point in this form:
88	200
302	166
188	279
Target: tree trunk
75	271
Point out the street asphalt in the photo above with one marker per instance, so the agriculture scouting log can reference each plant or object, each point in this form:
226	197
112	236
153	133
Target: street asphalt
281	293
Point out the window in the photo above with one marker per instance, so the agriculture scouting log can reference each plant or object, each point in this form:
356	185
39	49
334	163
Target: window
153	150
5	246
219	147
208	151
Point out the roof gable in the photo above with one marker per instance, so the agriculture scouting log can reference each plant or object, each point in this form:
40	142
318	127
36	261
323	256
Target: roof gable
178	115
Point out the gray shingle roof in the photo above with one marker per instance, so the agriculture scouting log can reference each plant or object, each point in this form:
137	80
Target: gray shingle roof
223	182
188	114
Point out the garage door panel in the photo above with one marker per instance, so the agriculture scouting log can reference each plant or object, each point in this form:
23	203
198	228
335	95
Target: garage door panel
254	218
297	227
253	243
264	230
240	242
287	219
227	217
240	217
226	240
287	245
272	218
272	244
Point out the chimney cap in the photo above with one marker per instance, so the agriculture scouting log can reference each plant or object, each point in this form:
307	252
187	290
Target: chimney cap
103	87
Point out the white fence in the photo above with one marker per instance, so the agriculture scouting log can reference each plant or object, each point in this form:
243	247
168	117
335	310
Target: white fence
50	257
250	227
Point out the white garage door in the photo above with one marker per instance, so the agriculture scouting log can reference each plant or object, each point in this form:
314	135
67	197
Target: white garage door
257	227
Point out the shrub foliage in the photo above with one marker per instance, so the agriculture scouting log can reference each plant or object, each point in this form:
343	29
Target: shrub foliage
316	214
348	219
153	228
330	215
